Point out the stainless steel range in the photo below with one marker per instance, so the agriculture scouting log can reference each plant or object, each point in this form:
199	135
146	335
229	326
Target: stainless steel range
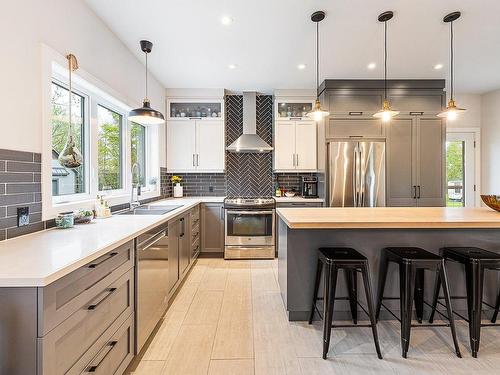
249	228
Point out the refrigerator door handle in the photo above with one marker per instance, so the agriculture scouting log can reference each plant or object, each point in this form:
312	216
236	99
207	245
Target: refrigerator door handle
355	178
361	201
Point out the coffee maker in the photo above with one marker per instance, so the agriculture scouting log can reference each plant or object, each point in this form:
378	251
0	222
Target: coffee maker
309	187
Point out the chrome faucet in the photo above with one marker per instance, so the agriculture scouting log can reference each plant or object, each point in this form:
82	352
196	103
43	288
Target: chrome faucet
135	203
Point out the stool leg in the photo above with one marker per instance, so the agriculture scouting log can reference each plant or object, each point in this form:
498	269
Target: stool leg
365	271
406	281
382	276
497	307
319	268
437	288
328	303
351	279
446	292
474	279
419	294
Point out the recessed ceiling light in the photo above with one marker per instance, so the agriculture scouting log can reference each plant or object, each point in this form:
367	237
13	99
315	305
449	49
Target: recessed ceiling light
438	66
226	20
372	66
301	66
231	66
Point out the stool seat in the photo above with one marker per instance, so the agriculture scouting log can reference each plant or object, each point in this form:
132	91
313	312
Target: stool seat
339	254
412	253
467	254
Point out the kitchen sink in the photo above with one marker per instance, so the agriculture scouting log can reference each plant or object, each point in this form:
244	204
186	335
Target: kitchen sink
150	210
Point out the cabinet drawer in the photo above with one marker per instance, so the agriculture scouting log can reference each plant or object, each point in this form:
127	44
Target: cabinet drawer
63	297
417	104
360	104
355	128
298	204
64	345
111	354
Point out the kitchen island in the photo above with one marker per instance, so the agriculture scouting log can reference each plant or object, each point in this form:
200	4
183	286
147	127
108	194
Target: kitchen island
301	231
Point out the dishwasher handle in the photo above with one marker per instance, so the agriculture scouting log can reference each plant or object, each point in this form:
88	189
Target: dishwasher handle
151	241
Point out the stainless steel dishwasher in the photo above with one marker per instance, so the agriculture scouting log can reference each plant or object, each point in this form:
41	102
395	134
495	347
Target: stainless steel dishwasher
151	281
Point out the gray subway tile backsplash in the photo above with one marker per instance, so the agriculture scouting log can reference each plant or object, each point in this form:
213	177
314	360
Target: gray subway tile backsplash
20	186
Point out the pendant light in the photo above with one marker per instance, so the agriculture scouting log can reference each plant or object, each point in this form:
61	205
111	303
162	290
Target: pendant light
386	113
70	157
317	113
451	111
146	115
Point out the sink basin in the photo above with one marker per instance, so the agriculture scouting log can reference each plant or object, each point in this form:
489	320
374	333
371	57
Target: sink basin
150	210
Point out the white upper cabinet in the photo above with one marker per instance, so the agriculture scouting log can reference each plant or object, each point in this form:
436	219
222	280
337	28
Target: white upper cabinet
210	147
181	145
195	109
295	146
292	109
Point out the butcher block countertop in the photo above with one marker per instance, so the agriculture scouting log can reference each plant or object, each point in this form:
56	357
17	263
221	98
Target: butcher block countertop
389	218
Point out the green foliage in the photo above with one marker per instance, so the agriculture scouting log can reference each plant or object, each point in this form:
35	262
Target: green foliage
454	161
109	149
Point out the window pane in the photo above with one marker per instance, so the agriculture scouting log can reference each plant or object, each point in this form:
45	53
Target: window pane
67	181
109	150
138	152
455	175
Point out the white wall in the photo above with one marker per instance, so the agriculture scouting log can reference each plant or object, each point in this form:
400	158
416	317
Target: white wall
65	26
490	142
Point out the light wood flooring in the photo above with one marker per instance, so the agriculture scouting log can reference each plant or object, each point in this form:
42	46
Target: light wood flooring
229	318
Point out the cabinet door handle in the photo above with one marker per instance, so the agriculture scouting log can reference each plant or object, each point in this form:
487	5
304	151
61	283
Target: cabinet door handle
293	160
297	160
194	163
418	113
356	113
195	118
94	368
295	118
414	192
95	305
222	213
418	196
197	160
95	265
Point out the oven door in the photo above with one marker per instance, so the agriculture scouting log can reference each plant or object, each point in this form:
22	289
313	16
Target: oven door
249	228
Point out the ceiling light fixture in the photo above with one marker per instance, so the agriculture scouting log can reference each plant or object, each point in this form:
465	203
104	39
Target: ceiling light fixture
372	66
451	111
301	66
317	112
231	66
438	66
226	20
386	113
146	115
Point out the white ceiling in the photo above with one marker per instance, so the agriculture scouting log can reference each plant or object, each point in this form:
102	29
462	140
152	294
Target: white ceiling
269	38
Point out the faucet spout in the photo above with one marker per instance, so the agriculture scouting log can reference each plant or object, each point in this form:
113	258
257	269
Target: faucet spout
135	203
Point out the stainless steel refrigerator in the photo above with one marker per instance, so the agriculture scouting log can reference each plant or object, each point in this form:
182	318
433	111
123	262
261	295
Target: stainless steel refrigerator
356	173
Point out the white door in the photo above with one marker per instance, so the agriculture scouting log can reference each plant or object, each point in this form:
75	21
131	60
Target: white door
284	146
461	169
305	146
181	151
210	148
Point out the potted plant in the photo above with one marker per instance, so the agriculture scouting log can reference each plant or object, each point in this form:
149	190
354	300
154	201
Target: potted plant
176	181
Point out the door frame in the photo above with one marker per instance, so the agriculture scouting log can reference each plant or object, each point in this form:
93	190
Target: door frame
476	131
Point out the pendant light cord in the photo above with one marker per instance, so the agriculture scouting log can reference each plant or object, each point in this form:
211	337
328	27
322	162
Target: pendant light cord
70	95
317	59
146	75
451	60
385	60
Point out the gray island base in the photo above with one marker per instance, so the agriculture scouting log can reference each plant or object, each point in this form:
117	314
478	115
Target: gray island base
297	260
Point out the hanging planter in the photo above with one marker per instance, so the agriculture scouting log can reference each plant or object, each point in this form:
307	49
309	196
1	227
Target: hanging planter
70	156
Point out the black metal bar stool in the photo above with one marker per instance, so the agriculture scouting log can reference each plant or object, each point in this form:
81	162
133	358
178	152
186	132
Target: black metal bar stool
351	262
475	261
412	262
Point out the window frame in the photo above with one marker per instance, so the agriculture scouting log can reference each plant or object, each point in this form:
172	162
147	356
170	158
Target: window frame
144	169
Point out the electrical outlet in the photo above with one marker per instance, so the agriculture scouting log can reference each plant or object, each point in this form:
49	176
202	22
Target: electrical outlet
23	216
211	189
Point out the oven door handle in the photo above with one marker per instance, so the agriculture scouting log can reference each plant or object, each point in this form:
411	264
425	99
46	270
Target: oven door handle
249	212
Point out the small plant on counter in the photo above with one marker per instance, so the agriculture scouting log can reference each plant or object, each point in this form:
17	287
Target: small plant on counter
176	179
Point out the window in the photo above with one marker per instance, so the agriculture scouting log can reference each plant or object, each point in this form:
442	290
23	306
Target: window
109	149
138	152
66	181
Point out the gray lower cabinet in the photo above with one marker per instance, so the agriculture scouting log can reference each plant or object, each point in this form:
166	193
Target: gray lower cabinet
173	254
180	251
81	323
416	162
212	227
195	220
298	204
184	243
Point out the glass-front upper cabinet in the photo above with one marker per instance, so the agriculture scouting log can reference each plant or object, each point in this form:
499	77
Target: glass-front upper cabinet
293	109
200	109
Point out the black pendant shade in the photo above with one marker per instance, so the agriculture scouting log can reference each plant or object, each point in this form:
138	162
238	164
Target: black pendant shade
146	115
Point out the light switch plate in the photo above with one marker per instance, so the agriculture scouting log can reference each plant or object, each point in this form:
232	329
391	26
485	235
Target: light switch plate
23	216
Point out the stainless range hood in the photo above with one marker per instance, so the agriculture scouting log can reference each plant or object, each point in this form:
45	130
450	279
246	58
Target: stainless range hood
249	141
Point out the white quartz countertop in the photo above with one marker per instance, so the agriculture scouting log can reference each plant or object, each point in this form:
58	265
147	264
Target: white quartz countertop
40	258
298	199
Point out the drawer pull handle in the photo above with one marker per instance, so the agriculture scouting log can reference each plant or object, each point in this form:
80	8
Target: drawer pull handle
419	113
95	265
356	113
95	305
110	345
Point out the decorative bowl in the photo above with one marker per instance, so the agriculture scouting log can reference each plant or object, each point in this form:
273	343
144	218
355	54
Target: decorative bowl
290	194
492	201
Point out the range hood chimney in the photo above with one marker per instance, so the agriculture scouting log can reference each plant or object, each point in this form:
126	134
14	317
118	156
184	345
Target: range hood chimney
249	141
